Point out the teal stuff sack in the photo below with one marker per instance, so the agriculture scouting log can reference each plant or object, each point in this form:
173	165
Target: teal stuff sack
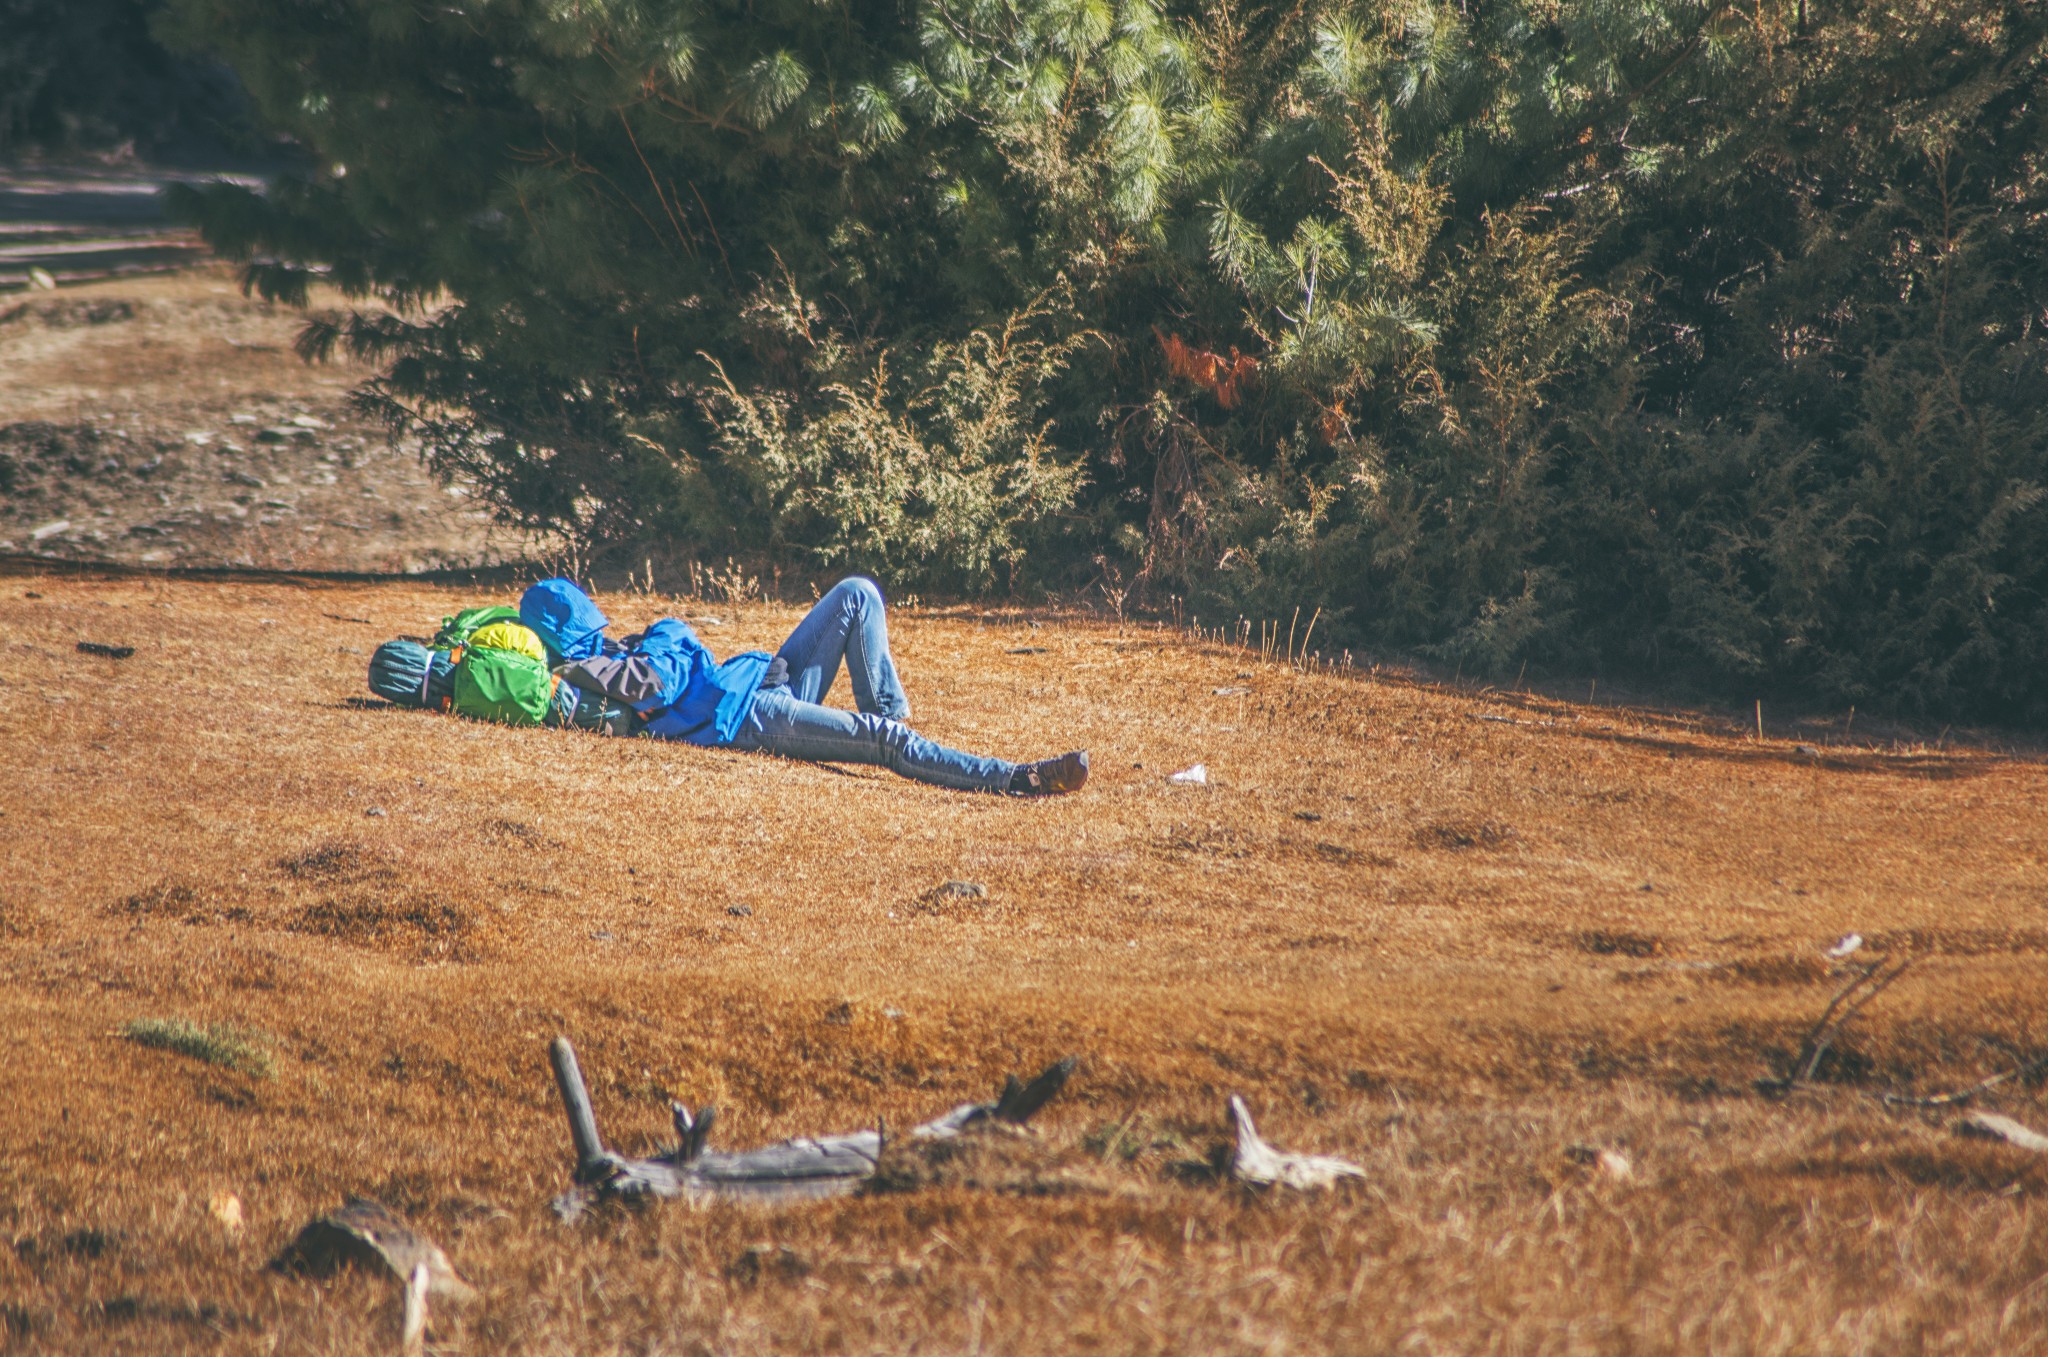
411	675
579	709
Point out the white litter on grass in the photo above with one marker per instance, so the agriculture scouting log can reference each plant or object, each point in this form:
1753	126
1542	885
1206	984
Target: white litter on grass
1846	944
1196	775
1232	691
308	422
1609	1163
1991	1126
50	529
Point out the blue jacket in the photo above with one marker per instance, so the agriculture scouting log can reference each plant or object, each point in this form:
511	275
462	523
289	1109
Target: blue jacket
701	701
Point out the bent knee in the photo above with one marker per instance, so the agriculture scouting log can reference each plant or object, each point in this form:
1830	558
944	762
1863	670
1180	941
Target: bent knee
860	591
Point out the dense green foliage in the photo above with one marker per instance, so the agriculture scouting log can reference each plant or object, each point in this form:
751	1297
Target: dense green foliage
1655	334
87	75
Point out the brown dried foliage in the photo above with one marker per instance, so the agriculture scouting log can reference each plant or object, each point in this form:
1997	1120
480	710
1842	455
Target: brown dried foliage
1221	377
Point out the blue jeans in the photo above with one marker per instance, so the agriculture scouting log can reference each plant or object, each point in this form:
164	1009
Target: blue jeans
848	625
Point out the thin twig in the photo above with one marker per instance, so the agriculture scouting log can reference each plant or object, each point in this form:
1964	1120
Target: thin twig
716	239
1963	1095
1823	1036
1813	1034
674	224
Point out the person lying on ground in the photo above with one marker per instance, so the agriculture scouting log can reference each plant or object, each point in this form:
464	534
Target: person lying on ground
664	682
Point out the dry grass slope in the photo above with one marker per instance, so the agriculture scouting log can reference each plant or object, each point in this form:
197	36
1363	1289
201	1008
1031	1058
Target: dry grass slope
1448	947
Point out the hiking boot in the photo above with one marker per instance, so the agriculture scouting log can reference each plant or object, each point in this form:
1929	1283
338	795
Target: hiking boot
1051	777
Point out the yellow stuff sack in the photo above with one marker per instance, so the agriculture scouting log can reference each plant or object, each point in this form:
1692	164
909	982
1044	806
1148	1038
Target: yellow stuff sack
508	636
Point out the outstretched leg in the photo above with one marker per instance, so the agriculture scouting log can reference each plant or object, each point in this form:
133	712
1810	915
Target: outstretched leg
782	723
847	623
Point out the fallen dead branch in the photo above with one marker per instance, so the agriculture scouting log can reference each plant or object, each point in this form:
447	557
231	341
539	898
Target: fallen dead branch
367	1234
1260	1165
1869	982
803	1168
1963	1095
412	1332
997	1156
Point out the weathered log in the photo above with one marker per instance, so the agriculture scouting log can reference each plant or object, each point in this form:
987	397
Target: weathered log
576	1101
797	1169
412	1330
691	1132
1020	1103
367	1234
1260	1165
1016	1104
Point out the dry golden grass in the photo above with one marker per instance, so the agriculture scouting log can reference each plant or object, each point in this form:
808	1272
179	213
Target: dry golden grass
1447	947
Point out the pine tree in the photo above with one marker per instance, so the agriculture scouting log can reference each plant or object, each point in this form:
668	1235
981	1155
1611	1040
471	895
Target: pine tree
1655	333
594	223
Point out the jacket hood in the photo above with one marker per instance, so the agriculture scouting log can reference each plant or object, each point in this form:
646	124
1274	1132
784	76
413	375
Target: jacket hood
562	615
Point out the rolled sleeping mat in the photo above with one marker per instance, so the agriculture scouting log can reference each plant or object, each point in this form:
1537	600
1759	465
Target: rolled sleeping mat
440	679
411	675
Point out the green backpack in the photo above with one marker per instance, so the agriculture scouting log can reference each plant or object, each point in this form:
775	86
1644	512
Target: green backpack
493	684
455	631
502	685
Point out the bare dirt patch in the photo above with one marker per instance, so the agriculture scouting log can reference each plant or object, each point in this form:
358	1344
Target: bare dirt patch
167	421
187	835
422	922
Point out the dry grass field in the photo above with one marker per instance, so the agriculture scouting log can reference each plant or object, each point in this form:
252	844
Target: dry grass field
1451	934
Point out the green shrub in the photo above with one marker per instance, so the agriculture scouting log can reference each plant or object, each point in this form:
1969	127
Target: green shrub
932	480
